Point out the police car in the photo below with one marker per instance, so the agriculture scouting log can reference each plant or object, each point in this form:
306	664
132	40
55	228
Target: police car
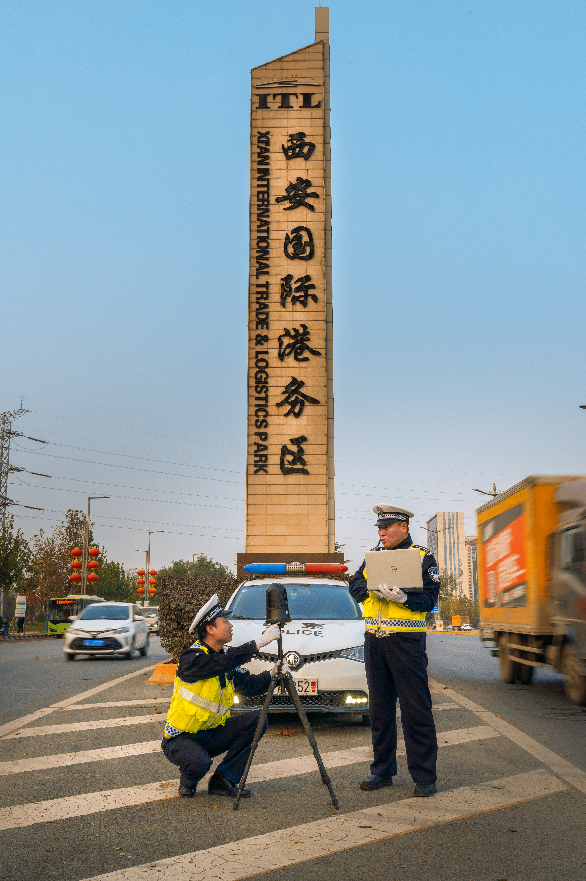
323	644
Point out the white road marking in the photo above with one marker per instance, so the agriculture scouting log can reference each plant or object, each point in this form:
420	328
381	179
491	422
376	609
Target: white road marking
87	726
152	700
103	687
32	717
572	774
285	847
60	760
111	799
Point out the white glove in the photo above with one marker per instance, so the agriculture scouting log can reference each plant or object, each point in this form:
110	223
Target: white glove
269	635
285	668
394	594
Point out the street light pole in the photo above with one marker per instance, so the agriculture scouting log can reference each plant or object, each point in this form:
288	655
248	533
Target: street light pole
148	562
86	542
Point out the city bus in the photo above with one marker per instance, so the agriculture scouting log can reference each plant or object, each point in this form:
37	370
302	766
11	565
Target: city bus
63	609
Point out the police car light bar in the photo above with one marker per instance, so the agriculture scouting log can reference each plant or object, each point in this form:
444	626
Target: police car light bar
294	568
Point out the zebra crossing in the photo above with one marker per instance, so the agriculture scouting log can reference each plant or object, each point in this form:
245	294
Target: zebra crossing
285	767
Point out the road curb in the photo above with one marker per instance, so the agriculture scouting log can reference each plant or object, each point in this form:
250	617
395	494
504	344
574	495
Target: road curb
13	637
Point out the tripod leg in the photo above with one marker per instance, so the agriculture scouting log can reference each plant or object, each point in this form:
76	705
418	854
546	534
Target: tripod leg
310	736
257	737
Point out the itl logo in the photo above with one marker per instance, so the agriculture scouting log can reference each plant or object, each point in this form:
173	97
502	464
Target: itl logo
287	101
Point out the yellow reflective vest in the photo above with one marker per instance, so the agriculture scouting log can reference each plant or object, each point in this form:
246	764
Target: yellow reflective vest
196	706
384	616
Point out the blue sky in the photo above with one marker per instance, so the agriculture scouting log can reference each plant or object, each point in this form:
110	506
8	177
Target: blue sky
459	220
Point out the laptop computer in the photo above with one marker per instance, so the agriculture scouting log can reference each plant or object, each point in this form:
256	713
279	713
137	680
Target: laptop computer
401	568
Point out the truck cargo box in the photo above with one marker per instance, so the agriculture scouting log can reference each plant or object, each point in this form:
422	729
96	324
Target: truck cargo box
513	531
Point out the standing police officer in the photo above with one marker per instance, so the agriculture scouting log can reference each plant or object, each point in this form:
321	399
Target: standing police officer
199	725
396	661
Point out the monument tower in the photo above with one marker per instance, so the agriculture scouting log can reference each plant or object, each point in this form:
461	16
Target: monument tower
290	454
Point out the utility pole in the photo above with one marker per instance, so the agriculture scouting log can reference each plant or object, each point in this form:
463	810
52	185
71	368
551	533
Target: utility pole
86	543
6	468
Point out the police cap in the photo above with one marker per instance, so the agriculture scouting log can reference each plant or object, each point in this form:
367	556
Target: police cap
208	613
390	514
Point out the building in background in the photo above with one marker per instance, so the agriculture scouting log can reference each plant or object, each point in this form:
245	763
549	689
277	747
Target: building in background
447	542
471	570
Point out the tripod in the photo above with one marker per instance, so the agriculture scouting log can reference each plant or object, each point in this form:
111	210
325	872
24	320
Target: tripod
280	677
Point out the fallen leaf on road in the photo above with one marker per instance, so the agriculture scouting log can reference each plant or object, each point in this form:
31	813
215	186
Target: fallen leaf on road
287	733
158	713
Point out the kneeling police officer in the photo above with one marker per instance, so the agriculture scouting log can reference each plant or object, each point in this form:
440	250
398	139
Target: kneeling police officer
199	725
396	661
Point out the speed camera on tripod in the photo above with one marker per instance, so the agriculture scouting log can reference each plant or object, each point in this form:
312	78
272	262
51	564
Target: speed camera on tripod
277	605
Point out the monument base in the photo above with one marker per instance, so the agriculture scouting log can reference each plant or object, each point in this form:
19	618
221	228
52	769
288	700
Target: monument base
244	560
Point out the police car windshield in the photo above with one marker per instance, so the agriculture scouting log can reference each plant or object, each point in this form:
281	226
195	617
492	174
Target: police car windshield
311	601
110	613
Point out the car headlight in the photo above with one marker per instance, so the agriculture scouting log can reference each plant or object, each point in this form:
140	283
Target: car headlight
119	630
356	653
73	632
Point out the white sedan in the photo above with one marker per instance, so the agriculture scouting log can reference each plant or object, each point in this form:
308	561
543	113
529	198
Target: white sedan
323	644
107	629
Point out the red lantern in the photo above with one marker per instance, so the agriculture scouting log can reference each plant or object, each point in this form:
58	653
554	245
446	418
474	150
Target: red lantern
140	572
93	577
152	571
76	564
77	552
140	590
93	564
94	552
140	581
75	577
152	581
152	591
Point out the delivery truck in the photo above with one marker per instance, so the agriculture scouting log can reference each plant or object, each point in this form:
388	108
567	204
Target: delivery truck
532	579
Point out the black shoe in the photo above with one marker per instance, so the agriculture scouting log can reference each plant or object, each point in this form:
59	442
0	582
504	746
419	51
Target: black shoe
374	782
186	792
424	790
220	786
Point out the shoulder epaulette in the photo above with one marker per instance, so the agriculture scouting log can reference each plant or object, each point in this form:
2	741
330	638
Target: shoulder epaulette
421	548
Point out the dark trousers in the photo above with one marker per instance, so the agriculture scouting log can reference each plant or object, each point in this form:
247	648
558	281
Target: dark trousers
194	752
396	666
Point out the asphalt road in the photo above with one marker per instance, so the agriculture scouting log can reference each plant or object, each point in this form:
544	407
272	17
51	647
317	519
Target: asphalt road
90	814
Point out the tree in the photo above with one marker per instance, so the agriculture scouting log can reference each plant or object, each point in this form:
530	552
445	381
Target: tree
50	566
452	603
15	555
116	583
202	567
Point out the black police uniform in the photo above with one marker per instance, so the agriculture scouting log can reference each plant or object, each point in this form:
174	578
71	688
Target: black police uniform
396	666
194	752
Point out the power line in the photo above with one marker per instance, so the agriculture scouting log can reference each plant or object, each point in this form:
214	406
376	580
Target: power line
134	498
139	488
146	470
141	529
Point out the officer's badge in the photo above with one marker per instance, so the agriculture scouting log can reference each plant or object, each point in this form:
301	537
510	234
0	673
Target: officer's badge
434	574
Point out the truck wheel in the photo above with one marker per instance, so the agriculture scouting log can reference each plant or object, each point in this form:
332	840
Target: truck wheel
525	670
525	674
509	668
574	679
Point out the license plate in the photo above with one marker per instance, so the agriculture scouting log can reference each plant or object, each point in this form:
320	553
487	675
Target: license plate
303	686
93	642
